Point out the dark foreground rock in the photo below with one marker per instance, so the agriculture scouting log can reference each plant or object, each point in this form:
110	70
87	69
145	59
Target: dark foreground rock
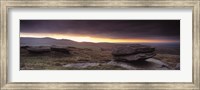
132	49
133	53
140	56
38	50
60	49
24	47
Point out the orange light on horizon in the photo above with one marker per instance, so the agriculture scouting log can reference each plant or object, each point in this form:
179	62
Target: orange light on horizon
80	38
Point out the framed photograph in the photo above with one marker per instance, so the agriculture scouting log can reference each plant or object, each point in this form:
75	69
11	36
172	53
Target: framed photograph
103	44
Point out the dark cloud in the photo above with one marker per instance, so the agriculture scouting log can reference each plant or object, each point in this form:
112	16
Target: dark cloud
151	29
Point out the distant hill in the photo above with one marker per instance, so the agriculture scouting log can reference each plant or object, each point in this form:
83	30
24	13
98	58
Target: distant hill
27	41
160	47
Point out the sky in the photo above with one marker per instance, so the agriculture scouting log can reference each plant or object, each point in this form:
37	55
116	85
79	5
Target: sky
115	31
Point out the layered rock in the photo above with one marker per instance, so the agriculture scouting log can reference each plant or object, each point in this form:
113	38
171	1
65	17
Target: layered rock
24	47
134	52
140	56
38	50
60	49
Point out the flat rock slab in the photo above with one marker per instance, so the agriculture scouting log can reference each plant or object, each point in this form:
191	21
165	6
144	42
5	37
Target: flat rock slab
38	50
132	49
134	52
60	49
81	65
140	56
149	64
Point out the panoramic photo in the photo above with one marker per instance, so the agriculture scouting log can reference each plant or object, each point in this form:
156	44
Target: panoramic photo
99	44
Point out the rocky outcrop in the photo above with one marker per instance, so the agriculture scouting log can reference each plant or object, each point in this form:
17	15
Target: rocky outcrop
38	50
133	53
24	47
60	49
132	49
135	57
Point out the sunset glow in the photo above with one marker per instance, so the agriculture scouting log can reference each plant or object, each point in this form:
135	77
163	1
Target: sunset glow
80	38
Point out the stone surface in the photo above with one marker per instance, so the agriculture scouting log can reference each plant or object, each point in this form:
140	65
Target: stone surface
24	47
140	56
81	65
38	50
133	52
149	64
132	49
60	49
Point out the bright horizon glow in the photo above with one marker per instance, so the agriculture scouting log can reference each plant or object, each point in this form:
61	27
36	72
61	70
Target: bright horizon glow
93	39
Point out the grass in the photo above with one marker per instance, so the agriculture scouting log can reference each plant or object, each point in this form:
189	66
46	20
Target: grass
55	60
170	59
